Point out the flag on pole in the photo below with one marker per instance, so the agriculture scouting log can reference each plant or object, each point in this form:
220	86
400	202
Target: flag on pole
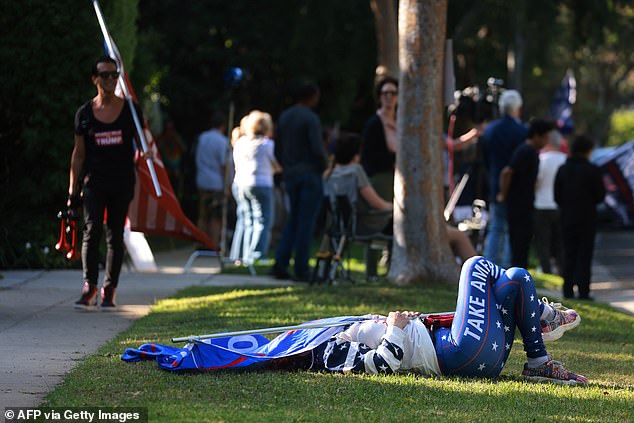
561	106
617	168
155	208
238	351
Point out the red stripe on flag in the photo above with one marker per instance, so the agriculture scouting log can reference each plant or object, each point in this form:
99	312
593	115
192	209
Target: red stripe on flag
225	366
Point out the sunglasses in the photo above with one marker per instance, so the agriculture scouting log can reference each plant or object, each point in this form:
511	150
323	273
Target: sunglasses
105	75
389	92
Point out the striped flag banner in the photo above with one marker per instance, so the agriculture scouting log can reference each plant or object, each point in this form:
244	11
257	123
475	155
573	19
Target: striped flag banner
239	351
155	208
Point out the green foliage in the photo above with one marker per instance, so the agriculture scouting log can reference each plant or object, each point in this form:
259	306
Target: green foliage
46	51
601	348
121	17
621	127
483	33
181	50
592	38
276	42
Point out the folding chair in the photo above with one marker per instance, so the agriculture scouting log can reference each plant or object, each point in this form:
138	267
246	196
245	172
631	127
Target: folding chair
341	197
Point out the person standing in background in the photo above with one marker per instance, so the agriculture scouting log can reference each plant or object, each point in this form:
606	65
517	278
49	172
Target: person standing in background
517	189
301	152
210	174
255	164
547	230
578	189
500	139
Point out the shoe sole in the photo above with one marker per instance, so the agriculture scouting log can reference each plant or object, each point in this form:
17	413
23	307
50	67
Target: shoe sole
85	307
540	379
108	309
559	332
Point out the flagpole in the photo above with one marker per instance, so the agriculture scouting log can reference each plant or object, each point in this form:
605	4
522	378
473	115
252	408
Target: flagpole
226	187
316	325
126	93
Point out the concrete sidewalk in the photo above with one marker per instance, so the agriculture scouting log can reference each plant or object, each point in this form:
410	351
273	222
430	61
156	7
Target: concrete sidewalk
42	337
613	269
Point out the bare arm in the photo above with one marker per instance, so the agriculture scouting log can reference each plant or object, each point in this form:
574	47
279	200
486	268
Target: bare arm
373	199
460	243
466	139
277	167
77	165
350	356
505	182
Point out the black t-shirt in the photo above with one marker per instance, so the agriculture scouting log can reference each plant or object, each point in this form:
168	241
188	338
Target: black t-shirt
109	160
375	156
525	165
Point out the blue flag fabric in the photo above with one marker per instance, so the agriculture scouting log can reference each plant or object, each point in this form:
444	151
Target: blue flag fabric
618	178
561	106
238	351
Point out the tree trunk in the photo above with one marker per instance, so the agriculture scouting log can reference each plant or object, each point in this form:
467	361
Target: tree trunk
386	37
421	250
515	58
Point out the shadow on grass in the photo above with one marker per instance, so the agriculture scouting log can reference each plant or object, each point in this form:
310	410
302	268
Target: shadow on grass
597	348
305	396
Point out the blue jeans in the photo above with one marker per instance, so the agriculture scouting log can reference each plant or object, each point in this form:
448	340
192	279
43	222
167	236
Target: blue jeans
305	193
497	240
238	231
256	207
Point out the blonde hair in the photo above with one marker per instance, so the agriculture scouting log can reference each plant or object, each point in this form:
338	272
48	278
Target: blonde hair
238	131
258	123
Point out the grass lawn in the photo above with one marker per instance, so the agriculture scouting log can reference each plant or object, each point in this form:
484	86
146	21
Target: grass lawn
602	348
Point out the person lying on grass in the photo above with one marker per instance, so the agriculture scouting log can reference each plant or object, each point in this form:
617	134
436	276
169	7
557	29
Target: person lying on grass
492	302
474	341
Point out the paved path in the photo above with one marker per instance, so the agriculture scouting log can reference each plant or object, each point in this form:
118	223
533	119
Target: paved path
613	270
42	337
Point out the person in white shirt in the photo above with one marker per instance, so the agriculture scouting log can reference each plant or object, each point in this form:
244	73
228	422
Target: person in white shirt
547	230
255	164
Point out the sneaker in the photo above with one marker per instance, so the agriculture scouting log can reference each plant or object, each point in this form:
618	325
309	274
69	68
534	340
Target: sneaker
107	299
280	273
564	319
88	298
553	372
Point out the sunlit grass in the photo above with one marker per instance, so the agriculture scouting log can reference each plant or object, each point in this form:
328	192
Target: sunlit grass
354	263
547	281
602	348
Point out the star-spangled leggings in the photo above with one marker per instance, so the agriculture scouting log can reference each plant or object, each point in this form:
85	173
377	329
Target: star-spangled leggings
492	302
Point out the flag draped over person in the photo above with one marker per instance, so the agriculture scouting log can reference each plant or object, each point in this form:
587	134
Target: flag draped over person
238	351
155	208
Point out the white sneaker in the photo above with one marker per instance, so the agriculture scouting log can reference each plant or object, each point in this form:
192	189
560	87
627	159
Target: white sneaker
564	320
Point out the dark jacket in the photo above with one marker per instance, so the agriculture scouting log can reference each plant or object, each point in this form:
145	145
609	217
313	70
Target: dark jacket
299	146
500	139
375	156
578	190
